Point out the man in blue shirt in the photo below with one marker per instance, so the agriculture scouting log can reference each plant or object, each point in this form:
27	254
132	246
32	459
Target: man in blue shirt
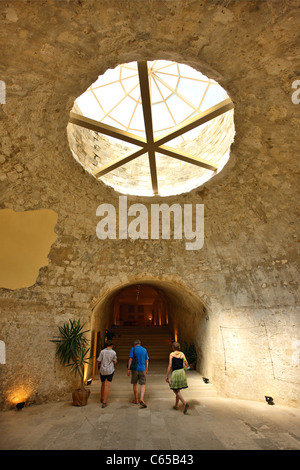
139	374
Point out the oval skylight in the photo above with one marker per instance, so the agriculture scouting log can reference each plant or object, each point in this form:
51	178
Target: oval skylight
148	128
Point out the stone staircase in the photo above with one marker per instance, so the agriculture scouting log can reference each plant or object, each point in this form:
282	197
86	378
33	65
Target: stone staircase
158	342
156	339
158	393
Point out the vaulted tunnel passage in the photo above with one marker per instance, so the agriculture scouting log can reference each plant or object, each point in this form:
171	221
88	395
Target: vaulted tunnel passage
147	309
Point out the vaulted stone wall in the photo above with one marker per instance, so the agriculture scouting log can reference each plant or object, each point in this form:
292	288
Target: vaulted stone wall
245	276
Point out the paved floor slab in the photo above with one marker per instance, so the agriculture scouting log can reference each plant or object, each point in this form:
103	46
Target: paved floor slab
212	423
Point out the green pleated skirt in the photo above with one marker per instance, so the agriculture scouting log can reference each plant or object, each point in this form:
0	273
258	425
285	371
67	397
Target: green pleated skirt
178	380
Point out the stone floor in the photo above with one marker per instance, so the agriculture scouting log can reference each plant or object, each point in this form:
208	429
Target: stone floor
212	423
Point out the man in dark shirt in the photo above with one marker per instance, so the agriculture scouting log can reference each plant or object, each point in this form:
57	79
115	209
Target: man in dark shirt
139	374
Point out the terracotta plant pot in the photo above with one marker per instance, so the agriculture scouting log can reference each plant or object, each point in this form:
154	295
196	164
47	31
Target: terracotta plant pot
80	396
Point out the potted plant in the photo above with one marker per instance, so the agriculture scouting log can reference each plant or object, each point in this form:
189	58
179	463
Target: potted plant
190	353
72	349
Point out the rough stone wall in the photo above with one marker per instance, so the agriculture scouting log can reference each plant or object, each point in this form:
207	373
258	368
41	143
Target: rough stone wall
246	274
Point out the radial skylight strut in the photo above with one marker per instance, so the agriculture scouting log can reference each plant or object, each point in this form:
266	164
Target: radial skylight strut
151	144
146	103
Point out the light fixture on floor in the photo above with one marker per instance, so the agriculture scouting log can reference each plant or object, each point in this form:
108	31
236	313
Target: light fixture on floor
269	400
21	405
205	380
89	381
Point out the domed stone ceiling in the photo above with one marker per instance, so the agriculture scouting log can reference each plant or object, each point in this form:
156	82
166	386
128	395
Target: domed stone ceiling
147	128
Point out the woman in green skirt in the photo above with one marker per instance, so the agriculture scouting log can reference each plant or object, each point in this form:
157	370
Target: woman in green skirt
177	363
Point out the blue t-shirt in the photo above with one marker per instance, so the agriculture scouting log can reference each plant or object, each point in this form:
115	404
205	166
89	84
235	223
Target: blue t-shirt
142	357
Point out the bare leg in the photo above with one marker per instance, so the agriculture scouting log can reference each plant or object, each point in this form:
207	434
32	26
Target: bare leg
185	404
176	399
105	391
180	397
143	388
102	391
135	392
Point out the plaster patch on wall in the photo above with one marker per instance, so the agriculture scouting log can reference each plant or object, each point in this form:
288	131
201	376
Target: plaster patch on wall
25	241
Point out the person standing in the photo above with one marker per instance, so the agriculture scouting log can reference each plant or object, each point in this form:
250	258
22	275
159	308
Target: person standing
139	374
177	361
107	359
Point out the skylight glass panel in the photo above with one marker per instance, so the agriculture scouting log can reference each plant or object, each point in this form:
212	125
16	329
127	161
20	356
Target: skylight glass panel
137	120
169	80
123	111
214	95
130	84
128	72
192	90
109	96
179	108
89	106
164	91
156	93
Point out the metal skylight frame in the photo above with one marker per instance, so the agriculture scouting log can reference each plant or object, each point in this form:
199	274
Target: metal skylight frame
150	144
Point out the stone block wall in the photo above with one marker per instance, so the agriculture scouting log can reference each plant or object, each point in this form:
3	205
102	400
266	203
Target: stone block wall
237	297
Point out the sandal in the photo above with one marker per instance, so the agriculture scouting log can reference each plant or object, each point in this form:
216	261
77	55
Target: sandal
143	405
185	408
175	407
104	405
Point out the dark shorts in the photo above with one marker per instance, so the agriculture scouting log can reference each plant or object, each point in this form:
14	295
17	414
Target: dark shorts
106	377
138	376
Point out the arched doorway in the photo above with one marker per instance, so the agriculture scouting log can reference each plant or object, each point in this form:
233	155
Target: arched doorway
140	305
153	305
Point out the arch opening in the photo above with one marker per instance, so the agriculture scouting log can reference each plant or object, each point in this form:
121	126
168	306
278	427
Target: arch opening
167	307
152	128
140	305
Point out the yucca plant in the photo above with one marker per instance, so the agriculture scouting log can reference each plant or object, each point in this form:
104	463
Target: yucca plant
72	347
